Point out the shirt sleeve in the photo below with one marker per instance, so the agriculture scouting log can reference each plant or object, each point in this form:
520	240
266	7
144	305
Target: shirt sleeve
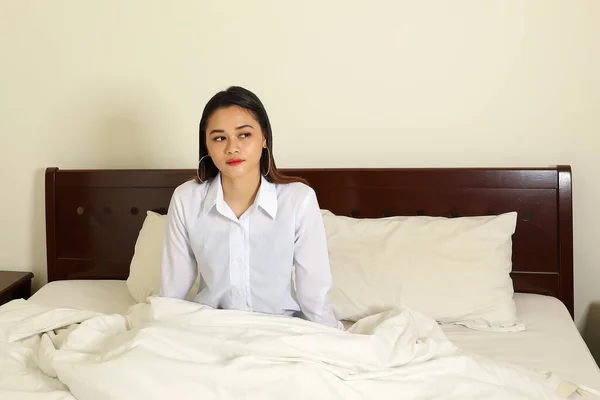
179	268
311	259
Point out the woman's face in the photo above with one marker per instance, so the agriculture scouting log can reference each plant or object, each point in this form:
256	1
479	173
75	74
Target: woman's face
235	142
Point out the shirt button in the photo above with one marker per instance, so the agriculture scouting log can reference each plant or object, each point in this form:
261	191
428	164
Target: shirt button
238	260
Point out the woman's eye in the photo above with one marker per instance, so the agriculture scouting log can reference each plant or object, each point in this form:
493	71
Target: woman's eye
219	139
245	135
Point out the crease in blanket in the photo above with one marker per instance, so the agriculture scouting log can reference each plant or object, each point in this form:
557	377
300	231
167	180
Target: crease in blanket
170	348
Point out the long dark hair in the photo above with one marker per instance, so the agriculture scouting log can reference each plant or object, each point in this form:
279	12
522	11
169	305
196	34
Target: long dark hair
238	96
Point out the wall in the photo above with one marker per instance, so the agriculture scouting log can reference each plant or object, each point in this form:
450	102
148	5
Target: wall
112	84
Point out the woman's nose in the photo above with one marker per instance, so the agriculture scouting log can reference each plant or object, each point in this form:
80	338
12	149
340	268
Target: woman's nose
232	146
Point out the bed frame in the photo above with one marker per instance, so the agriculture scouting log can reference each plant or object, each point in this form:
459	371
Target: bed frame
93	216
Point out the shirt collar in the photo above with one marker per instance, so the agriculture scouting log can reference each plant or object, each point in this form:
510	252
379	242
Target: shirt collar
213	192
266	198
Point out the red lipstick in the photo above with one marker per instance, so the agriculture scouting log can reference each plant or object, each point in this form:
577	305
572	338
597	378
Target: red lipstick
234	161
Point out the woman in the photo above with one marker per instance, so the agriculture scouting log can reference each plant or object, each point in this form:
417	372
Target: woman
245	224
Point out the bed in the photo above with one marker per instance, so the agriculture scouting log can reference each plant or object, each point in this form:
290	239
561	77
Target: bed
93	218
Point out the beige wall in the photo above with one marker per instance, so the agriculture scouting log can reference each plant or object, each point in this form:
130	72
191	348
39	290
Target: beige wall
392	83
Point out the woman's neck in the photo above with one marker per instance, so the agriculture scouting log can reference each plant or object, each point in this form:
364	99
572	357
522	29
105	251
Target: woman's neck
239	193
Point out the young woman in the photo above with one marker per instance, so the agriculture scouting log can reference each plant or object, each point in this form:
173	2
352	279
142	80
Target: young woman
244	225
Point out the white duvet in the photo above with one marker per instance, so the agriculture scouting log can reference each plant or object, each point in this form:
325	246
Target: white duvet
173	349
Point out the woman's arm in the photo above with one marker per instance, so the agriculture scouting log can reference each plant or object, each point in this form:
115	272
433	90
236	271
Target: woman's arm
179	267
313	273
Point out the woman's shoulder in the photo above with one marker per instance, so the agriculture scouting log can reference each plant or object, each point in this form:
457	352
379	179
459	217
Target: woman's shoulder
189	189
296	194
297	190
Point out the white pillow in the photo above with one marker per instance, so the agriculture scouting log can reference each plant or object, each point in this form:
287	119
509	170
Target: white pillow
145	268
455	270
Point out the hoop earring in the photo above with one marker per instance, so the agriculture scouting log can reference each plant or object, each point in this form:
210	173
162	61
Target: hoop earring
198	170
268	165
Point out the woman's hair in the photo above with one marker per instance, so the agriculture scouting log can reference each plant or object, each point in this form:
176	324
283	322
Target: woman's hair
238	96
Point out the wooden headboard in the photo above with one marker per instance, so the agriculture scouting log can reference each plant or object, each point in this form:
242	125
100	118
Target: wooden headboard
93	216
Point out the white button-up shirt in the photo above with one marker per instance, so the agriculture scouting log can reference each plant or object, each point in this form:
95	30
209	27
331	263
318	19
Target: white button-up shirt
247	263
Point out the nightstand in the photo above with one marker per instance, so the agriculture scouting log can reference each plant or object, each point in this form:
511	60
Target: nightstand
14	285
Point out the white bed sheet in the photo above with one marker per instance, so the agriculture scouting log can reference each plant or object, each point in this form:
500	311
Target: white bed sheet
550	342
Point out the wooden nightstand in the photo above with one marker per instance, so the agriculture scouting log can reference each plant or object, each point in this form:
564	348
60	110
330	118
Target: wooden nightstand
14	285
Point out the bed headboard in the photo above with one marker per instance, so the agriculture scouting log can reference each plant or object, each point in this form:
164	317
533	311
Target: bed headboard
93	216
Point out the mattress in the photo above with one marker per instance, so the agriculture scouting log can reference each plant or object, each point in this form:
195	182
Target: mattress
551	341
